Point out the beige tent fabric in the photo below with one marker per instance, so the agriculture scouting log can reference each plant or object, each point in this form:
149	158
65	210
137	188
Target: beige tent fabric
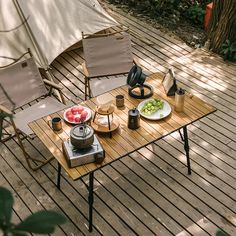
43	108
54	26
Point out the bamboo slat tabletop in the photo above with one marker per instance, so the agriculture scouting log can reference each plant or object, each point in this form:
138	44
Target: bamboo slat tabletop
124	140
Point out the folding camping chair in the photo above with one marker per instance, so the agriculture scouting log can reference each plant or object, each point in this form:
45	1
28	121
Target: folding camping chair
105	55
21	83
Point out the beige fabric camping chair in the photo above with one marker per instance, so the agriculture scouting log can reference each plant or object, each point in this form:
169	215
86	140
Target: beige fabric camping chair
105	55
23	84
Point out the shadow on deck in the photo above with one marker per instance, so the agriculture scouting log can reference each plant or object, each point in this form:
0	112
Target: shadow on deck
148	192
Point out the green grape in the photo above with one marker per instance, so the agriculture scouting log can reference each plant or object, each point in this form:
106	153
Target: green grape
152	106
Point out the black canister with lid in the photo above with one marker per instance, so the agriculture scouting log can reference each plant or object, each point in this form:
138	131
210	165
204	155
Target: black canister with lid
133	119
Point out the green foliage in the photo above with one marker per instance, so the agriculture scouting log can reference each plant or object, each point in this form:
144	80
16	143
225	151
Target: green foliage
42	222
229	50
220	233
6	203
48	220
153	8
193	10
196	14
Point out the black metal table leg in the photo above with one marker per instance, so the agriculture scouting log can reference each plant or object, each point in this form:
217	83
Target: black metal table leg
181	136
109	126
186	148
90	201
59	176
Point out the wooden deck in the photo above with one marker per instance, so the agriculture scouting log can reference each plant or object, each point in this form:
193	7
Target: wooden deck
148	192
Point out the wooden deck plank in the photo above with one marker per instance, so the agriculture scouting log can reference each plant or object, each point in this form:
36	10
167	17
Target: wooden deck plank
189	72
209	175
156	175
163	182
126	17
34	187
164	200
77	196
20	210
192	196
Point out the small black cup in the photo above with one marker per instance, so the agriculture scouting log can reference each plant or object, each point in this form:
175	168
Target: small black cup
56	123
120	100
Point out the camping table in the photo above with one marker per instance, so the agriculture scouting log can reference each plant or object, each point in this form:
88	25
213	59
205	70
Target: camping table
124	141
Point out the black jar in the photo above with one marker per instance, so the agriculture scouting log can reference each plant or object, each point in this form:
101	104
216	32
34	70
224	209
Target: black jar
133	119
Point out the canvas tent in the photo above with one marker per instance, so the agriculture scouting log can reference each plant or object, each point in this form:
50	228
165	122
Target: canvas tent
52	26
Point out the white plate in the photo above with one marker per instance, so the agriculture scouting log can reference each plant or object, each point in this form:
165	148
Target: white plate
78	115
160	114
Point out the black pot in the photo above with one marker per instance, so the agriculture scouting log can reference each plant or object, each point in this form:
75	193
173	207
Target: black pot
82	136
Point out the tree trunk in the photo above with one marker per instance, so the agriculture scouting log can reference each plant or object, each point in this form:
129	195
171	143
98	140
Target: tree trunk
222	24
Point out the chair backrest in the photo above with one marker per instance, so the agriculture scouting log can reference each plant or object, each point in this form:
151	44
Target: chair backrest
22	82
108	55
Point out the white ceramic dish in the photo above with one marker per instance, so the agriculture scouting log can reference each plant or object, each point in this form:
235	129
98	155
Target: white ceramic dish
78	115
160	114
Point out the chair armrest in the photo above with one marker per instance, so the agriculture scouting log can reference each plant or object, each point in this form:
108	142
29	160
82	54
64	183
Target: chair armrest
4	109
55	86
52	84
85	70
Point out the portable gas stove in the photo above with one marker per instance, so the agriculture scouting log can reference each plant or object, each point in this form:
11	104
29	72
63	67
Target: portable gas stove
76	157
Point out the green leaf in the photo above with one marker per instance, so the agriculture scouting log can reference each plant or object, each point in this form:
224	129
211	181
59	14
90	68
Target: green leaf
234	57
6	203
42	222
233	48
233	45
225	51
224	45
227	42
15	233
220	233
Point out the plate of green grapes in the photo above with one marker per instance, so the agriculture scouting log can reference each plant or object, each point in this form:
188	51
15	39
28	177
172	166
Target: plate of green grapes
154	109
